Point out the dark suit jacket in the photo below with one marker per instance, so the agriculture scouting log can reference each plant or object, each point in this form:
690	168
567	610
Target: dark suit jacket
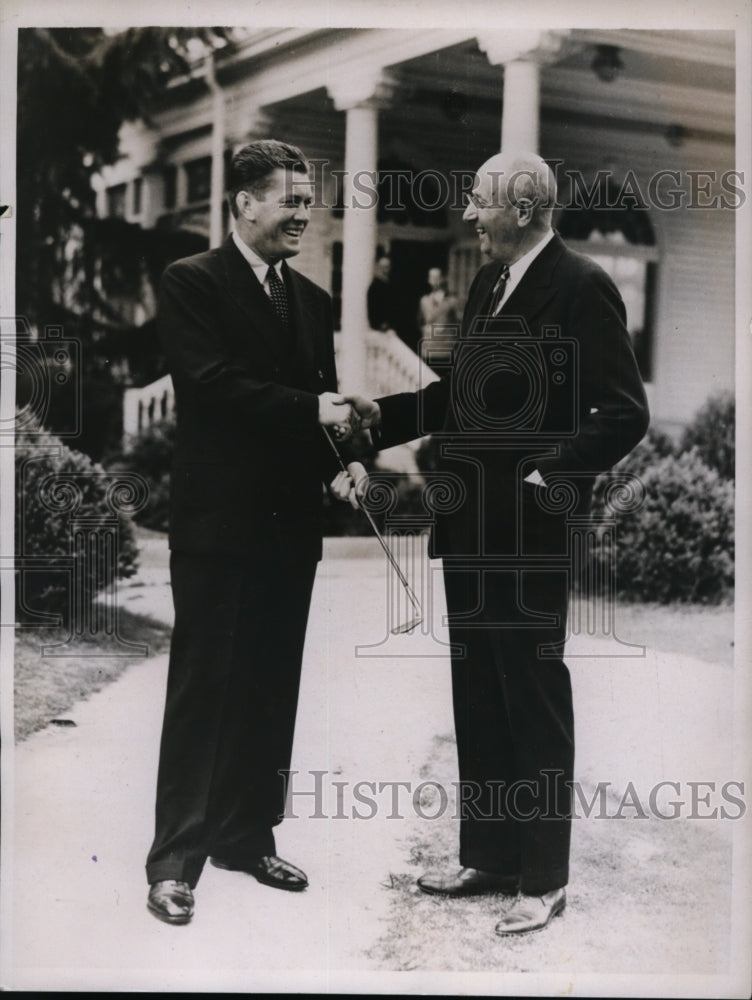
250	458
380	305
551	383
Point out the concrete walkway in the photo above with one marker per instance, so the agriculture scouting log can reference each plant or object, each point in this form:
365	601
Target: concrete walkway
83	799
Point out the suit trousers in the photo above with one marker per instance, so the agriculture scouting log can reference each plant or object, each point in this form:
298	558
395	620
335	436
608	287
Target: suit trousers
232	692
514	720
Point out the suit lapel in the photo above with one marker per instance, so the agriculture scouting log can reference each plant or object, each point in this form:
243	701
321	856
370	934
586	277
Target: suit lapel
536	287
480	301
247	291
305	330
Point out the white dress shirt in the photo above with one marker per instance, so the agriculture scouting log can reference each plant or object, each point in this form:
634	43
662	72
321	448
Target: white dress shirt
260	267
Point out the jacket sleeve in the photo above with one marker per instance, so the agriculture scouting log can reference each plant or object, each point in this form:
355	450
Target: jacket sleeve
613	407
409	415
189	322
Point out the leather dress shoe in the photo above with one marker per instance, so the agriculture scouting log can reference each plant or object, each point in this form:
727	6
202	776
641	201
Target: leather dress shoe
468	882
269	870
532	913
171	901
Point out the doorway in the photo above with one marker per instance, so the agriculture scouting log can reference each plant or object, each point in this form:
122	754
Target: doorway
411	260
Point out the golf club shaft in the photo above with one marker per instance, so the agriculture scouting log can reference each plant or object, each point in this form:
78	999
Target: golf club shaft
392	561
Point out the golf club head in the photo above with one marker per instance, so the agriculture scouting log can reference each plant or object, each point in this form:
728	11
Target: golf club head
407	626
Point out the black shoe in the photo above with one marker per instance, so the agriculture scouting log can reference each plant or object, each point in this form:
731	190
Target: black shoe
269	870
469	882
171	901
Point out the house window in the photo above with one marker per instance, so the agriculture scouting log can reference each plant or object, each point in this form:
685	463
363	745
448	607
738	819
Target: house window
138	187
634	275
169	186
198	179
621	239
116	201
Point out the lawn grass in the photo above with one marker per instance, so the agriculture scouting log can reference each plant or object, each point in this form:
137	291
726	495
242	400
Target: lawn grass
705	632
45	686
646	896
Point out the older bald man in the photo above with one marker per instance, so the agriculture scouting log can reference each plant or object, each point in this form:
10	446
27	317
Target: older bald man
543	393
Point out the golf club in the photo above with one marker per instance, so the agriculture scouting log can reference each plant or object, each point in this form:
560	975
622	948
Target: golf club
415	621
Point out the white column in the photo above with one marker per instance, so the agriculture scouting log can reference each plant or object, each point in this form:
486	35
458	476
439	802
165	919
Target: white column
520	116
216	229
522	53
359	97
359	242
147	200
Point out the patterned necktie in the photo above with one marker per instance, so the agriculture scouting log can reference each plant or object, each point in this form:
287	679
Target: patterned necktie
498	290
278	295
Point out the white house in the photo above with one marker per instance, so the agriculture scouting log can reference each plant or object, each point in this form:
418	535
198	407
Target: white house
638	124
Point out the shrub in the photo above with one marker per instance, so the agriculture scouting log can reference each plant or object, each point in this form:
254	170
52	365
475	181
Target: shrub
151	457
711	433
54	485
679	544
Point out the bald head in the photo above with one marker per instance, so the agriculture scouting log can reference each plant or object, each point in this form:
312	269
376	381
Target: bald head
521	179
513	198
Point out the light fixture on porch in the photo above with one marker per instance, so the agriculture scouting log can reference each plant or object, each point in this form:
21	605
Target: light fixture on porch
606	63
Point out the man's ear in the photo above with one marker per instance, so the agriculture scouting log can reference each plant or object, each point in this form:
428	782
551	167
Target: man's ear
246	205
525	212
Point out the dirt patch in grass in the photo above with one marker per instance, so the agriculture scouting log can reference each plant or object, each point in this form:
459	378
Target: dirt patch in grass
645	896
47	685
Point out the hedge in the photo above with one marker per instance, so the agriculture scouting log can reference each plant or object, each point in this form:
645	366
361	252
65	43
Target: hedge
679	544
57	489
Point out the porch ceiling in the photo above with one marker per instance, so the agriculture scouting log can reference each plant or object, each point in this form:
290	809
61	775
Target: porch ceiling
448	91
452	97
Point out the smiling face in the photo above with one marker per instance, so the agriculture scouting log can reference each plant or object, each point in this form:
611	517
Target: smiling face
511	203
272	222
496	221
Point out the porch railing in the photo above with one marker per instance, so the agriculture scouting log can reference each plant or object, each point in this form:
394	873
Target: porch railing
391	366
147	406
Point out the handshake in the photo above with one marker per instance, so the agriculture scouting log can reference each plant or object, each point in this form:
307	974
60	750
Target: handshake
346	415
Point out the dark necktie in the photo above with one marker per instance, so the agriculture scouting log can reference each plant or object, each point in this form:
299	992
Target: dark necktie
498	290
278	295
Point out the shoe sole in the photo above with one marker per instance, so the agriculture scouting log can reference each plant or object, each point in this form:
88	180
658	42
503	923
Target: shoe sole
260	877
556	911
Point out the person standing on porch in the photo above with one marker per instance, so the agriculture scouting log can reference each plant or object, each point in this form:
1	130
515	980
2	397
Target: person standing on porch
380	297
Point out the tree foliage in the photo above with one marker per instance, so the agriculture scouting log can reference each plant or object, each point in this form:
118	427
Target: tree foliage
76	88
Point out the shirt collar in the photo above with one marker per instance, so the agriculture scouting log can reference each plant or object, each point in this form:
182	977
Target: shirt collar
260	267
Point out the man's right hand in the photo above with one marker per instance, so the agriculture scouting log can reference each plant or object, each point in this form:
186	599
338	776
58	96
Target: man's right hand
367	411
336	411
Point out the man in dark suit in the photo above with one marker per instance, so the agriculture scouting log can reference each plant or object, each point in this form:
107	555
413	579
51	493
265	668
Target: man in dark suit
380	296
250	349
542	395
